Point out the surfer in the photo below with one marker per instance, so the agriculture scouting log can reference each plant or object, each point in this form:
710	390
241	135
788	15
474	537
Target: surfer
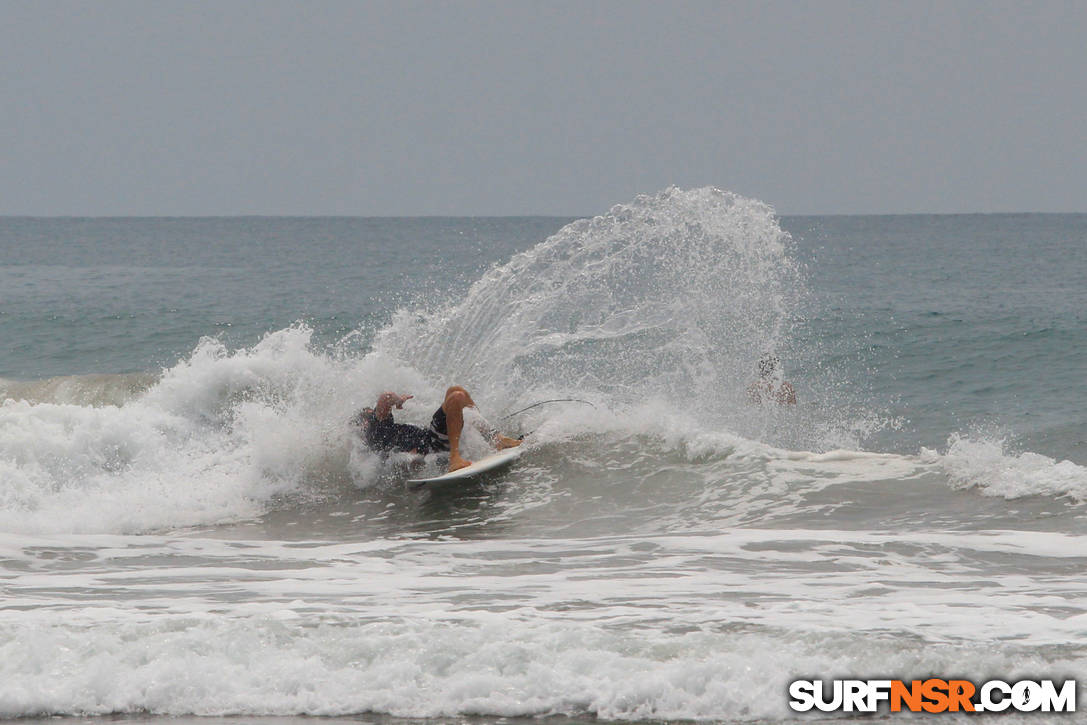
382	433
770	386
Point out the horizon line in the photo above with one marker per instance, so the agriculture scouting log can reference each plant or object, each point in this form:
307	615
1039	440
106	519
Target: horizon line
509	216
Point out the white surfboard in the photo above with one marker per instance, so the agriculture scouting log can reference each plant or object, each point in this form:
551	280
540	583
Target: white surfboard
482	465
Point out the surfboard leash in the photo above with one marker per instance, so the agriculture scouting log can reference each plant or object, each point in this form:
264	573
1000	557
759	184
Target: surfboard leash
544	402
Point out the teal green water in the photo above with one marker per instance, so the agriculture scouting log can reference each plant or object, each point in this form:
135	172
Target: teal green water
959	322
127	295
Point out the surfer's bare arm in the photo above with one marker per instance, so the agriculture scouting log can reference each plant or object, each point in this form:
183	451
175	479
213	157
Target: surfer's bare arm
786	394
386	402
502	442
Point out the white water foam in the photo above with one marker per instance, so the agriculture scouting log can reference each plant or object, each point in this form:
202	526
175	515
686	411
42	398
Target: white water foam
987	465
682	627
216	438
494	666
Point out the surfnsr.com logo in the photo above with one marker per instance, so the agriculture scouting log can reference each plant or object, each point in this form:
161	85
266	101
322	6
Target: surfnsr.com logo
933	695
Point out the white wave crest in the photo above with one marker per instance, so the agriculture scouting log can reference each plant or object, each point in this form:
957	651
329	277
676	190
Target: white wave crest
215	439
985	464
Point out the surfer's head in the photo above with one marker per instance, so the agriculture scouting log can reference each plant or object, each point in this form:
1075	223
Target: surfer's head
768	365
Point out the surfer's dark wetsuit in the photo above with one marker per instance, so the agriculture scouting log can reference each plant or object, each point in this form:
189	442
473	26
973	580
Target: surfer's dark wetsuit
388	435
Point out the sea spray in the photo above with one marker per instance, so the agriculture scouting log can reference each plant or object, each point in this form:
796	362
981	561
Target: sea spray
670	295
673	297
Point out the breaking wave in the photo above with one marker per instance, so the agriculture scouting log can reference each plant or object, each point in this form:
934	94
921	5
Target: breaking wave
657	312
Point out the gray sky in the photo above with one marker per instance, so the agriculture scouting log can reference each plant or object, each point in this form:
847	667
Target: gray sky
465	108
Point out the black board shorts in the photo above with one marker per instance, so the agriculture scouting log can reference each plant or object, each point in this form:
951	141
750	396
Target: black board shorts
386	435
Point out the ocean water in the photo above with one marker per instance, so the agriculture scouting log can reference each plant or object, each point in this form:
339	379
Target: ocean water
188	527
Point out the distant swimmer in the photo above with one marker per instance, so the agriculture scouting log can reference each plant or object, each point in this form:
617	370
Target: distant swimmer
770	386
382	433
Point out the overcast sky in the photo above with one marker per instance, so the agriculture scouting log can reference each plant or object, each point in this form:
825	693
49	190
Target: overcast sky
479	108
